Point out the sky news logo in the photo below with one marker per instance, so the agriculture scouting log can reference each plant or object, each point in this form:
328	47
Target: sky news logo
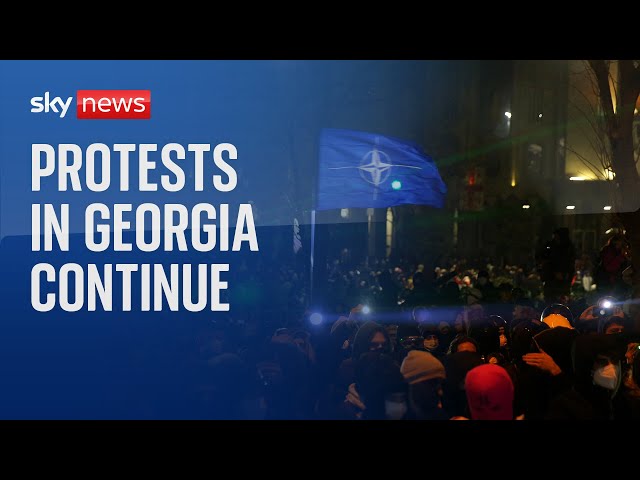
98	104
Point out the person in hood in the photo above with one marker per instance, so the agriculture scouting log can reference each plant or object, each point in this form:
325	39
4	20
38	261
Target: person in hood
522	337
597	380
487	336
436	332
370	337
457	365
611	324
490	393
434	339
503	329
462	343
549	369
379	391
553	350
521	340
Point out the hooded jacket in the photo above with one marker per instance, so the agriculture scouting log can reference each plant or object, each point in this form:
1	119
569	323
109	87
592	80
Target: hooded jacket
585	400
376	376
456	366
539	388
363	337
558	343
361	341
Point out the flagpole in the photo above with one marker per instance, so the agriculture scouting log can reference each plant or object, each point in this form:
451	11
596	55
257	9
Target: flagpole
313	244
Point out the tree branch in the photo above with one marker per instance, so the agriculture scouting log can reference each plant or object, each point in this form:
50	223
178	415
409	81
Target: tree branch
586	161
601	71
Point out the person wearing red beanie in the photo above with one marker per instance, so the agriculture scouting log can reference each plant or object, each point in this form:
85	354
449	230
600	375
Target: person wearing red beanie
489	393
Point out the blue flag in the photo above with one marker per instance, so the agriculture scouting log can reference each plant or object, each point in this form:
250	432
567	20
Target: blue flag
367	170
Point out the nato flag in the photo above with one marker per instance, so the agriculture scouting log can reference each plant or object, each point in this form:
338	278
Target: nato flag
367	170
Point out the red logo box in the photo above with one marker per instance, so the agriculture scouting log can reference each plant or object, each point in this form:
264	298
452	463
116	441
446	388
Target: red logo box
113	104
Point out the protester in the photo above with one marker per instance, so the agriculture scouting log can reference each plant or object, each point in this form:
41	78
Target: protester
425	375
422	348
490	393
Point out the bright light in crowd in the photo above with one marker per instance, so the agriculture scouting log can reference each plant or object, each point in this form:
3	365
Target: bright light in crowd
607	207
507	114
315	319
577	179
571	207
539	115
526	206
396	185
606	304
366	310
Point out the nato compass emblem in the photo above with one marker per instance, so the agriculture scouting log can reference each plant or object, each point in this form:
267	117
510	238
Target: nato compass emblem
375	168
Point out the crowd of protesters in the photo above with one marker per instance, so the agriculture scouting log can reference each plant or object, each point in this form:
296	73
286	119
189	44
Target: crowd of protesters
457	342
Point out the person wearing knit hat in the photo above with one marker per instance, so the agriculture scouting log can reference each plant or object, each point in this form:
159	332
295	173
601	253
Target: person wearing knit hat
419	366
489	393
424	373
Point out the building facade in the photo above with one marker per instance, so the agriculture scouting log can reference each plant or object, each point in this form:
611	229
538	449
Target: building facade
518	158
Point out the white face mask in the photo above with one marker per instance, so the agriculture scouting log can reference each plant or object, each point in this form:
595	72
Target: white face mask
395	410
607	376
